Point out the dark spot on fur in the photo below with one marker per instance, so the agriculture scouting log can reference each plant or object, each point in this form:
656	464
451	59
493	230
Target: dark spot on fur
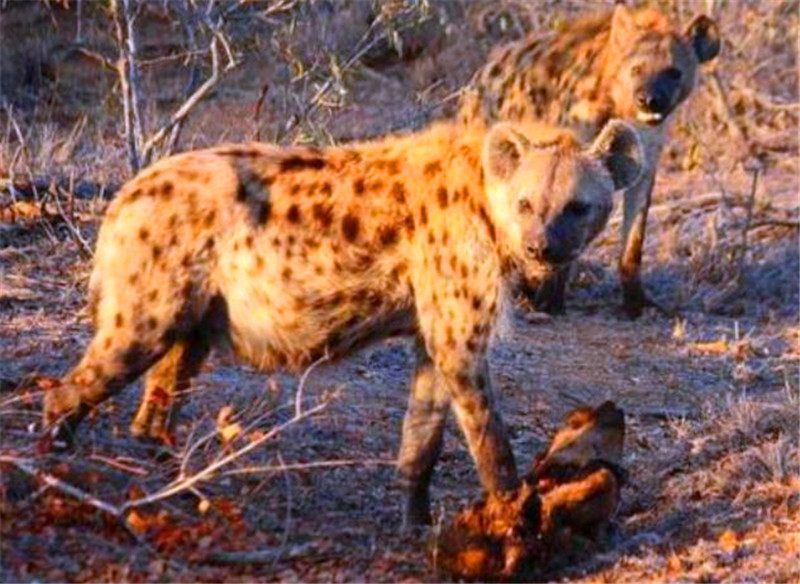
326	189
393	167
118	320
209	243
209	220
144	233
296	163
388	235
156	252
350	226
358	186
152	296
463	380
453	262
441	195
398	271
135	195
293	215
363	262
437	262
173	220
432	168
399	192
294	189
97	371
450	340
464	270
173	240
377	185
312	188
323	214
133	278
423	215
152	323
476	302
488	222
445	237
409	224
166	189
259	262
286	274
248	242
431	237
253	194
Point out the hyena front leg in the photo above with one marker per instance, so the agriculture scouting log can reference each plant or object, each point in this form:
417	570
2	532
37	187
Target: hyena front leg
637	204
549	295
487	439
423	430
164	383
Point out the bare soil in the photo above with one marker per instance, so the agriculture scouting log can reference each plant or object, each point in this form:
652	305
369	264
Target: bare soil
711	394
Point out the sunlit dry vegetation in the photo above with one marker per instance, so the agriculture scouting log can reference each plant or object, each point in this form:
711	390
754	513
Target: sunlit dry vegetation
274	478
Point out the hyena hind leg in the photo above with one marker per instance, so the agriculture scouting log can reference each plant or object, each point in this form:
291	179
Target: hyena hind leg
164	383
104	370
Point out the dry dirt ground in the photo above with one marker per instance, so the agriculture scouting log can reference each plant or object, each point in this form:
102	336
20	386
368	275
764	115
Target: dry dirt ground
711	394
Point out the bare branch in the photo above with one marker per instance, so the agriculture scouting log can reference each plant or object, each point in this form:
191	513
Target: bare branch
183	484
248	470
28	468
298	399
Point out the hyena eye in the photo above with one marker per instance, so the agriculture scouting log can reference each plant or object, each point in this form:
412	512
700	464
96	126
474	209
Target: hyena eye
636	70
524	206
577	208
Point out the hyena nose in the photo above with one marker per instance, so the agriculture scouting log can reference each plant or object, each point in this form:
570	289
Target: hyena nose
554	253
646	100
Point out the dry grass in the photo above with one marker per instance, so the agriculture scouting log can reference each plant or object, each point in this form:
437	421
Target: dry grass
711	396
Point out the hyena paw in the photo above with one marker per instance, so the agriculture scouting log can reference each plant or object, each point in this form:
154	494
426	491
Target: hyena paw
63	410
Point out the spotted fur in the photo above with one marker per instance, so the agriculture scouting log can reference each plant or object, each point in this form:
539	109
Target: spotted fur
626	64
284	255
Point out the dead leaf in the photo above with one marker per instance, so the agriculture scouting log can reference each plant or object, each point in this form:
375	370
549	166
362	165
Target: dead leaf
729	540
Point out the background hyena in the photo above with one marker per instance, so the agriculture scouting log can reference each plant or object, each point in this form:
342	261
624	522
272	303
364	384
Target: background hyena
624	64
285	254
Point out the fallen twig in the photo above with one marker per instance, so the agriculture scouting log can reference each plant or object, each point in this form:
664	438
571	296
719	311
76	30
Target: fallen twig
267	556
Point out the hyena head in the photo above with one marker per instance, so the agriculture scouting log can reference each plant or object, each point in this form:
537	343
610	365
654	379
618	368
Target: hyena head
652	66
549	195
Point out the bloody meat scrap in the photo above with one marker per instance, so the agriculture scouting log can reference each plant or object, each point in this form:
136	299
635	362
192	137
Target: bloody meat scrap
569	497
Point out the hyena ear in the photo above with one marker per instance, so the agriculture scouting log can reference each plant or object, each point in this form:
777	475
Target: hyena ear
703	34
502	151
622	25
620	150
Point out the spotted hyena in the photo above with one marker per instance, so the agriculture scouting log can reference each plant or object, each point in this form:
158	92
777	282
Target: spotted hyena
624	64
286	254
